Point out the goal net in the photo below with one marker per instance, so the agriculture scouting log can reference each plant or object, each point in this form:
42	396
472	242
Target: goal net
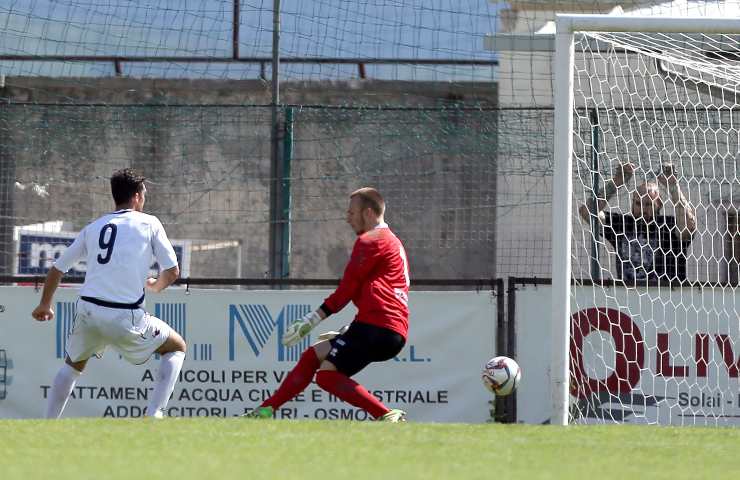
646	321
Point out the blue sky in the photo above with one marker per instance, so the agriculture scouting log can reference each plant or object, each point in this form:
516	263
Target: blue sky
313	28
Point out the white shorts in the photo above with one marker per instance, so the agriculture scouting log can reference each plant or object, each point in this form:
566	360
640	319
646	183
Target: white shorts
133	333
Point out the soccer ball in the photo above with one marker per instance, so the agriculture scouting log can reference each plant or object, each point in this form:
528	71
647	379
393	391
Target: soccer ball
501	375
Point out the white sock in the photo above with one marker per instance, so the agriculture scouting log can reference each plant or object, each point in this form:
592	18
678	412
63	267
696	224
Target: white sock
64	382
169	369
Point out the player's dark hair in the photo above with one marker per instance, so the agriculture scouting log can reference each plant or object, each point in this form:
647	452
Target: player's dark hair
370	198
124	184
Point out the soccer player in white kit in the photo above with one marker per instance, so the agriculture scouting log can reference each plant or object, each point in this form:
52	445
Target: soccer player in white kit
118	248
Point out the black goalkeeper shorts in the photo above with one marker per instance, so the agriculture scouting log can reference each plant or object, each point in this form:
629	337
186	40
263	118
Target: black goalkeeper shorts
363	344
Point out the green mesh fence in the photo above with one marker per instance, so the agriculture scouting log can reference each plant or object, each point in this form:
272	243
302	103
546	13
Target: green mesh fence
463	192
410	96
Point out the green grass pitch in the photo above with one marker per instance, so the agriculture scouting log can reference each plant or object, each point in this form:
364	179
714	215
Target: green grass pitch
214	449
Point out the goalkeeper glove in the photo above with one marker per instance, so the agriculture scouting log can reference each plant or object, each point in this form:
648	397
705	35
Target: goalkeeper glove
332	333
300	328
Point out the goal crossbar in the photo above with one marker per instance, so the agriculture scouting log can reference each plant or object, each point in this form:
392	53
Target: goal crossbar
570	23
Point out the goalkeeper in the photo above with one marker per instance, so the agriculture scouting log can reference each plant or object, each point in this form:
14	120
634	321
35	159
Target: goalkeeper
649	247
376	280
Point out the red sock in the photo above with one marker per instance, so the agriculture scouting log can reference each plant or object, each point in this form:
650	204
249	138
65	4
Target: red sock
296	381
341	386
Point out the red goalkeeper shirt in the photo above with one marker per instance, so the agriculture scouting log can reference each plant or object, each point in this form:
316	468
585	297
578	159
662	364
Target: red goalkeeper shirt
376	280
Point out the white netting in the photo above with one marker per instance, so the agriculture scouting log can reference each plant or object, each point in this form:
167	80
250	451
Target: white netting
654	313
709	59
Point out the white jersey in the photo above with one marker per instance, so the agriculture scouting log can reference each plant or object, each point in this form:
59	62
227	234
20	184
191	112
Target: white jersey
119	247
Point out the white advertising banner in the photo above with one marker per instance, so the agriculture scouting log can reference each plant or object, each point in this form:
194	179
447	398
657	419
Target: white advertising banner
655	355
235	359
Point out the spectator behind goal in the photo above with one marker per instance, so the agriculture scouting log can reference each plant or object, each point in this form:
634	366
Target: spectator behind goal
649	247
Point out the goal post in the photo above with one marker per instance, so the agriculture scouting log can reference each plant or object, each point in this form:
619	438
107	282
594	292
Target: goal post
562	195
668	94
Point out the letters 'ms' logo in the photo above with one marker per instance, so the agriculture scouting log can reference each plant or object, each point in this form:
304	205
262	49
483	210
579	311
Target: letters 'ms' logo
255	324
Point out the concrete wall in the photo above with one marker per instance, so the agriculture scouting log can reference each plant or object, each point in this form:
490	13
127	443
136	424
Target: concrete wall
205	147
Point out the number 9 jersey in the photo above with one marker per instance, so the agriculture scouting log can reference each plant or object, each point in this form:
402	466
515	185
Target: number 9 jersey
118	248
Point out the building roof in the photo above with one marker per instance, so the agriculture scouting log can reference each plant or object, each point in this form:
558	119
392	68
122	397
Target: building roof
678	8
578	6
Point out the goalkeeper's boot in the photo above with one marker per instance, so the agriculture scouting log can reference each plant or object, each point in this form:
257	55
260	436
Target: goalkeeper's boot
394	415
260	412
